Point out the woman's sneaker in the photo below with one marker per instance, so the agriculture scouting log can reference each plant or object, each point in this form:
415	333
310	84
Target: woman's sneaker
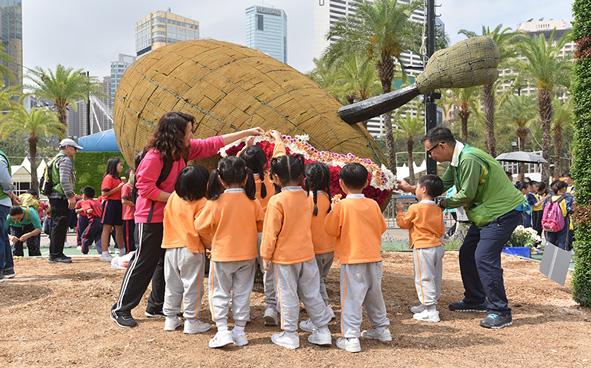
283	339
194	326
496	321
172	323
427	316
350	344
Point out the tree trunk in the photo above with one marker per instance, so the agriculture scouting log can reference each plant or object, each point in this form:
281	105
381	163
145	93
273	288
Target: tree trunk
521	135
464	115
33	153
489	115
62	116
557	150
546	112
385	70
411	169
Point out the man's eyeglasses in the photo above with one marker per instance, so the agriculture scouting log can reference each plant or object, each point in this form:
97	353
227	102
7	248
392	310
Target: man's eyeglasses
432	148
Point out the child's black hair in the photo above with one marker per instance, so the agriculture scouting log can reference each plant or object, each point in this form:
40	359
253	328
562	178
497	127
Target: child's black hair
112	167
231	170
541	186
318	178
433	184
88	191
15	211
33	192
558	185
354	175
191	183
288	168
256	160
128	172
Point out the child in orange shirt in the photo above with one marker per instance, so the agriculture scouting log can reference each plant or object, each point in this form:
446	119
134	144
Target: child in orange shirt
256	160
425	223
318	178
184	259
232	219
287	243
358	224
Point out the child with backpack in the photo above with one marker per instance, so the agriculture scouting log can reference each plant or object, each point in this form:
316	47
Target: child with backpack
556	217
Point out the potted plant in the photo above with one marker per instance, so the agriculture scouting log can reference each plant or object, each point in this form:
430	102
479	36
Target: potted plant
522	241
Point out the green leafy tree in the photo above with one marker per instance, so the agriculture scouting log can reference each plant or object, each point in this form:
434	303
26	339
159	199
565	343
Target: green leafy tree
5	70
543	69
63	86
562	119
409	128
505	40
381	30
35	124
467	101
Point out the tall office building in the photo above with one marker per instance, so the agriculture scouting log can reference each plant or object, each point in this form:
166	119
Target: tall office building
117	69
328	12
161	28
266	30
11	35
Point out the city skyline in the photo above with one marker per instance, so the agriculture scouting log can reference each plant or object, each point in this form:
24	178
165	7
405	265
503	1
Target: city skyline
90	26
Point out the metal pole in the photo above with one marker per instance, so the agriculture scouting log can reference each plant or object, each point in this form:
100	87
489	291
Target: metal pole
88	106
430	105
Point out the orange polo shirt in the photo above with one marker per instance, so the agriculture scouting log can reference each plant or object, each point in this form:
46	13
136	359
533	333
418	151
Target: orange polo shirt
425	224
231	222
179	230
358	224
323	243
287	233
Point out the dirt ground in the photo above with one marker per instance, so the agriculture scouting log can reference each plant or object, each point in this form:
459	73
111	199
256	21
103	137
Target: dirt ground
58	316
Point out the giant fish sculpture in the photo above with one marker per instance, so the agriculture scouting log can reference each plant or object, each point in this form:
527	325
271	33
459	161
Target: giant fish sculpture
227	88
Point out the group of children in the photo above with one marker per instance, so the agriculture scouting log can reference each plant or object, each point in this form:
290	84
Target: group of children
293	233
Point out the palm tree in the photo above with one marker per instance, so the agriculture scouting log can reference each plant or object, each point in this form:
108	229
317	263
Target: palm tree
519	111
64	87
505	40
467	99
36	124
381	30
410	127
5	70
544	70
563	118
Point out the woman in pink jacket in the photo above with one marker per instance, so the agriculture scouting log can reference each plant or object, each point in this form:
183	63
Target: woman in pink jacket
165	155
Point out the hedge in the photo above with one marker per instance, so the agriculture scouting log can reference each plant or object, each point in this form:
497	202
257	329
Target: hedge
90	168
581	170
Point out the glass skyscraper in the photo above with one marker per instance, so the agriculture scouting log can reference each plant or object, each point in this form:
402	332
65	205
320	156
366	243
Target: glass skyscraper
161	28
266	30
11	35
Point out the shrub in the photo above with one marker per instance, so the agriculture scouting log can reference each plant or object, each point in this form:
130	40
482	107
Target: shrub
90	168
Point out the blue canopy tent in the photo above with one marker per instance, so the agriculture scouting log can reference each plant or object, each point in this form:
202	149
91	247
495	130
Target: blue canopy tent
99	142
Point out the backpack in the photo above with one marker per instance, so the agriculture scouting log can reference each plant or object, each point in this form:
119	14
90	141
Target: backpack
46	182
552	218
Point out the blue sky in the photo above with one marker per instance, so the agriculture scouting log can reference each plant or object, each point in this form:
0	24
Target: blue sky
90	34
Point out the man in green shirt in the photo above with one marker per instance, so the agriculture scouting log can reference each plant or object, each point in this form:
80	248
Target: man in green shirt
24	226
493	206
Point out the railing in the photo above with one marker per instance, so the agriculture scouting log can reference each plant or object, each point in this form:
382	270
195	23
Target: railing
408	200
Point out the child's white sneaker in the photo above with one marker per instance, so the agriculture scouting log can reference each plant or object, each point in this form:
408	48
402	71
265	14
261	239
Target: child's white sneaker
350	344
270	317
171	323
221	338
374	334
282	339
194	326
307	326
427	316
320	338
105	257
239	338
417	308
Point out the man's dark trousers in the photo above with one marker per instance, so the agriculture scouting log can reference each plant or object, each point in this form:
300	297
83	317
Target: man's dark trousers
60	217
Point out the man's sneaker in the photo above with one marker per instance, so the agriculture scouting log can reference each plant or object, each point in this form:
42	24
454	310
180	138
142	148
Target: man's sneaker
1	277
194	326
270	317
330	312
465	307
417	308
307	326
320	338
105	257
374	334
8	273
123	321
239	338
427	316
221	338
154	314
172	323
350	344
282	339
59	259
496	321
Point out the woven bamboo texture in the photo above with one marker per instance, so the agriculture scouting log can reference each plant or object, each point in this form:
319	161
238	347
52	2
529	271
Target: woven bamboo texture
228	88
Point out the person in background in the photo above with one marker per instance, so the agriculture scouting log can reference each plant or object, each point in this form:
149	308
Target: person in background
112	207
128	211
62	199
525	188
565	200
93	228
571	190
24	225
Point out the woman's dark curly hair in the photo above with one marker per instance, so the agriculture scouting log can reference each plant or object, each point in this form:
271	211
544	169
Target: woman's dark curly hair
169	136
